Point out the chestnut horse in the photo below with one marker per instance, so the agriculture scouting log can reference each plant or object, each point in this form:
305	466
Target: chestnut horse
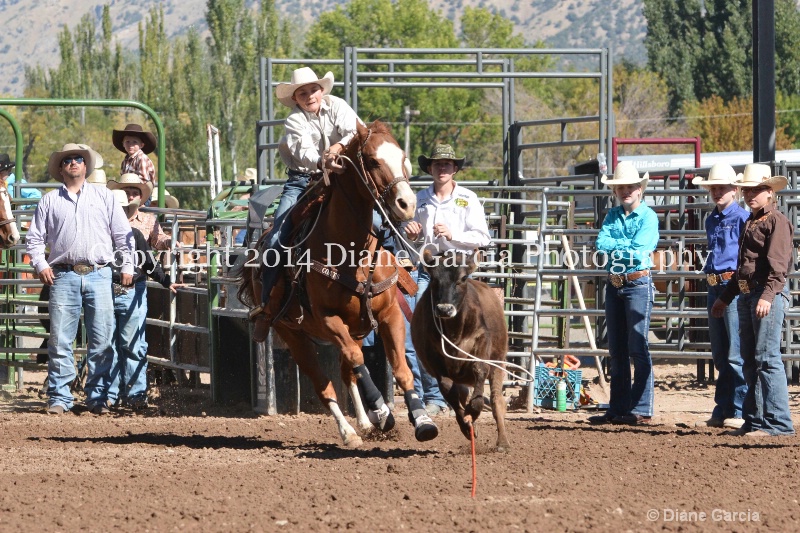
9	235
350	285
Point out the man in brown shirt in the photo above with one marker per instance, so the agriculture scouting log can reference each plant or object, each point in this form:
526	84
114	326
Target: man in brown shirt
765	255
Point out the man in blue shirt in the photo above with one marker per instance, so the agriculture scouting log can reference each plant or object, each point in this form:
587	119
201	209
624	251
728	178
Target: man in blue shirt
628	236
6	174
723	226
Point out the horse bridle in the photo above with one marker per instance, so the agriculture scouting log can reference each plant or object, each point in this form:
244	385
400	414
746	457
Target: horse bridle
377	195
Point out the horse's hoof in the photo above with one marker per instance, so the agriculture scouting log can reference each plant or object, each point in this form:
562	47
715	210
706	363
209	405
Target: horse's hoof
502	448
425	429
382	418
353	441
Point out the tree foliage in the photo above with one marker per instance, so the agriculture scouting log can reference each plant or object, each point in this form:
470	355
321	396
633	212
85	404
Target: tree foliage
705	48
727	126
188	82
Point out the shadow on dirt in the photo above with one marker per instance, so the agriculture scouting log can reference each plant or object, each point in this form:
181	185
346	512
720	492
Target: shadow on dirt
216	442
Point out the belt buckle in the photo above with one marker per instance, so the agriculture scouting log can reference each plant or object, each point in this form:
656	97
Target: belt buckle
82	269
616	280
744	286
712	279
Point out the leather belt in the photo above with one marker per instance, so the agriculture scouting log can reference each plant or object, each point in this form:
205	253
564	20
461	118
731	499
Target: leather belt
746	286
80	268
618	280
716	279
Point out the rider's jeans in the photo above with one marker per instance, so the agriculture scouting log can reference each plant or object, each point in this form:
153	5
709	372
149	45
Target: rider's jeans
278	237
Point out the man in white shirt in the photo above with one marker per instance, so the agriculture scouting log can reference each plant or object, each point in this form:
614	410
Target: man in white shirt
448	217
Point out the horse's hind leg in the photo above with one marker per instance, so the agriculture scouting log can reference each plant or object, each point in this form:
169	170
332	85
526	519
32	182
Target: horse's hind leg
305	355
498	407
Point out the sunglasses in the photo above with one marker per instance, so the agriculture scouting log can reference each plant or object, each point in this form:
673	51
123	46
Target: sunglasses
757	190
69	159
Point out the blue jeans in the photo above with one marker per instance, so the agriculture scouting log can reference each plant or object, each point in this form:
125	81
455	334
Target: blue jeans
724	336
129	371
71	292
628	311
429	383
279	234
766	404
385	235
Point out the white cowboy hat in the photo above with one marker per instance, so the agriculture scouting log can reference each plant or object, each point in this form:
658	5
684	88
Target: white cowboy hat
54	165
300	77
626	174
757	174
250	174
98	159
131	180
98	177
122	199
720	174
170	201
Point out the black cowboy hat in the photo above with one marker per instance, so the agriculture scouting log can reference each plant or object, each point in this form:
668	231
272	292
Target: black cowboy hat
134	130
5	162
440	151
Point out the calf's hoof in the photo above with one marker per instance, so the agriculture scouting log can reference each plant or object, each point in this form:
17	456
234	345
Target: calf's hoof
381	418
503	448
425	429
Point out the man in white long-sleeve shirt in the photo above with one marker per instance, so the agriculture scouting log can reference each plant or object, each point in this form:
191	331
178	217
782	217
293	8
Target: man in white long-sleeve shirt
81	225
448	217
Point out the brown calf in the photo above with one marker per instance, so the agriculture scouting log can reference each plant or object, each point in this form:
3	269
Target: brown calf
470	315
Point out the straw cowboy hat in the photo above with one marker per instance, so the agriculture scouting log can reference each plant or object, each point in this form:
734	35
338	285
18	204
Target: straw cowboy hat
757	174
250	174
122	199
98	177
98	159
300	77
440	151
134	130
626	174
131	180
170	201
720	174
54	165
5	162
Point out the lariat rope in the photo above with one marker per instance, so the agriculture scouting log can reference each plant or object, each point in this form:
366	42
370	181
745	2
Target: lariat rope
471	358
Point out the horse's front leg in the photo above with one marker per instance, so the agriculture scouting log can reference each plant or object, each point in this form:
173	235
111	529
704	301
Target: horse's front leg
392	328
305	355
378	412
350	380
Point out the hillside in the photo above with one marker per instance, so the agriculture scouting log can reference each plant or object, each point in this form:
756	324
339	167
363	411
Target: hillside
32	26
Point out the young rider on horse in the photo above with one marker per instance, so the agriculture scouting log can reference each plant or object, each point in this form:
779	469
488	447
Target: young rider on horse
316	131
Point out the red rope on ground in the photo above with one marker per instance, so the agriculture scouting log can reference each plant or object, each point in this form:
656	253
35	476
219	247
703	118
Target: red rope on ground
474	461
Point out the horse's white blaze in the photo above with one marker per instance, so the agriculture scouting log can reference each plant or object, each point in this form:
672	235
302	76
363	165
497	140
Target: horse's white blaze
405	203
7	214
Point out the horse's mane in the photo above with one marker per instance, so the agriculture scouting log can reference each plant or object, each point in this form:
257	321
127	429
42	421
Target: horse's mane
361	135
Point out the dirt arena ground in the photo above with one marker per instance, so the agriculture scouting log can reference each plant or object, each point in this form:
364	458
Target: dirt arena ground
187	465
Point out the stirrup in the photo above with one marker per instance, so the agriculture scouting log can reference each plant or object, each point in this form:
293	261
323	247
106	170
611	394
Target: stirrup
253	313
